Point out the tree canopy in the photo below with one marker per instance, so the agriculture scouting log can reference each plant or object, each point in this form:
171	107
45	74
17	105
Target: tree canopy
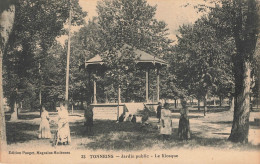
37	24
120	23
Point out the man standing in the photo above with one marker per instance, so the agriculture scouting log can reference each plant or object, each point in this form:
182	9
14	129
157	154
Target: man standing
159	108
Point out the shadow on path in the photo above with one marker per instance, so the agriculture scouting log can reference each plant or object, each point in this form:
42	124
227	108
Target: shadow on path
126	136
20	132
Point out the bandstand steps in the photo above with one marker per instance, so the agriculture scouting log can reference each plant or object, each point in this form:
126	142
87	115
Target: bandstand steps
107	112
133	108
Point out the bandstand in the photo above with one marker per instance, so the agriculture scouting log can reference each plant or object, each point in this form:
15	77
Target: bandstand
113	110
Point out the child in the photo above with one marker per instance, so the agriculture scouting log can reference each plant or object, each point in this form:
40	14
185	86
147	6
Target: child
133	119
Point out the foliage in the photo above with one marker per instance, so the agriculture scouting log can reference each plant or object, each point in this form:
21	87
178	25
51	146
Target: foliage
121	27
7	12
130	23
36	26
239	21
256	71
85	44
200	63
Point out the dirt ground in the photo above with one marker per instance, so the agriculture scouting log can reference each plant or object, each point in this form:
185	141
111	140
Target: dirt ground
209	132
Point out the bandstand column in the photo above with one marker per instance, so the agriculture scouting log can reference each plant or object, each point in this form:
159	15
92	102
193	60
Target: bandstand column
95	92
147	85
158	85
119	95
118	100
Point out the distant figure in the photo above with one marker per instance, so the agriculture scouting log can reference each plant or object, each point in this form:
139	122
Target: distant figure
129	118
121	118
44	130
89	118
63	135
159	108
133	119
145	115
166	122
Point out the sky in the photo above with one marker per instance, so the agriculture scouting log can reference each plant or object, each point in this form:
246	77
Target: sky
173	12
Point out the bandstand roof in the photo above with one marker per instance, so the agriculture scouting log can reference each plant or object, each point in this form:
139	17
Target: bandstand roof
144	58
95	60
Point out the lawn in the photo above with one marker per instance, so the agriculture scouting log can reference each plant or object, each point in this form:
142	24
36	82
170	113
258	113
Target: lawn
210	131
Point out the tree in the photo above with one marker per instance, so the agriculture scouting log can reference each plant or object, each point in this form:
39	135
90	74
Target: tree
53	75
85	44
169	88
245	31
239	20
120	23
200	61
256	74
133	23
37	24
7	12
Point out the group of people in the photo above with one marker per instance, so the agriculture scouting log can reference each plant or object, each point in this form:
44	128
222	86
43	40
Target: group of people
62	135
130	118
164	118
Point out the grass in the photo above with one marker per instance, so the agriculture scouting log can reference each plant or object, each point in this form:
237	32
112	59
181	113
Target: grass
122	136
211	131
128	136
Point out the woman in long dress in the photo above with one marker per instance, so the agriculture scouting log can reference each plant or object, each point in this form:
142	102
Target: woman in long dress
166	122
63	135
44	130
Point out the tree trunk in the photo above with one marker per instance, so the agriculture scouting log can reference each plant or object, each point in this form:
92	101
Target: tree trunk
126	95
199	104
17	109
89	88
231	103
220	100
54	105
257	102
6	24
81	104
175	103
14	115
240	127
205	104
251	104
40	101
2	111
184	123
12	101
